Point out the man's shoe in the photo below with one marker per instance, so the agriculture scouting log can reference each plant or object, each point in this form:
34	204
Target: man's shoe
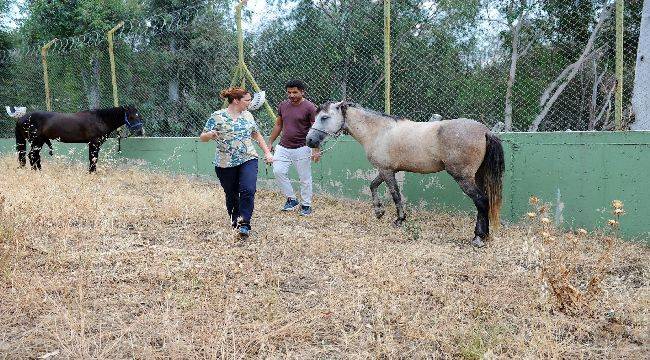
244	231
290	204
305	210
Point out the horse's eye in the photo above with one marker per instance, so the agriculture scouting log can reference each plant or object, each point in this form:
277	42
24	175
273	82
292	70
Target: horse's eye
324	117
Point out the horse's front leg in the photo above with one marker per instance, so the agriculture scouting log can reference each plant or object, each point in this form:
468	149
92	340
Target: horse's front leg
93	155
379	211
391	182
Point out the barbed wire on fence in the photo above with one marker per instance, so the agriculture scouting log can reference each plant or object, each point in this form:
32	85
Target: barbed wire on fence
172	65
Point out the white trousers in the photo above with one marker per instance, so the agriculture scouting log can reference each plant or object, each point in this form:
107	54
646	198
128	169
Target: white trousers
283	159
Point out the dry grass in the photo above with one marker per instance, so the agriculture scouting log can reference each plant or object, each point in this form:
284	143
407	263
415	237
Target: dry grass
132	264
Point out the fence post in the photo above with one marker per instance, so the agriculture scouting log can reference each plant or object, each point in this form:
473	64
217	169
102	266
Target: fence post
387	56
618	116
241	69
44	49
111	56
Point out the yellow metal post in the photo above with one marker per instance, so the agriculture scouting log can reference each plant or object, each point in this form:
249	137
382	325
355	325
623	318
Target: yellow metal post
111	56
241	72
618	112
387	56
240	33
44	49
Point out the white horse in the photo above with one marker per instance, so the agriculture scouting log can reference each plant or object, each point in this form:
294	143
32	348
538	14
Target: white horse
466	149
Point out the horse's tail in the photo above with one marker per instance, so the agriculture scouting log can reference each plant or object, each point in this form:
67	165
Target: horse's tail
21	143
490	176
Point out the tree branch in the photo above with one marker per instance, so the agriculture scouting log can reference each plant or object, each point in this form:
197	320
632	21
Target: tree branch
569	72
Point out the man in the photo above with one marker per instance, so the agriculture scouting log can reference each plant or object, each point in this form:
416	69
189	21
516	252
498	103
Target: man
295	117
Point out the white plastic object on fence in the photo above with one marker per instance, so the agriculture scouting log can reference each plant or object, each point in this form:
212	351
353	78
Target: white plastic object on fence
258	100
16	111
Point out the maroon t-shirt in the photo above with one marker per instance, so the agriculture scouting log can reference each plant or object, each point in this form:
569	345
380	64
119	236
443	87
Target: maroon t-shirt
296	121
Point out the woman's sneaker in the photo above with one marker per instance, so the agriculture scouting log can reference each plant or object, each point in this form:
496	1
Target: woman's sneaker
244	231
290	204
305	210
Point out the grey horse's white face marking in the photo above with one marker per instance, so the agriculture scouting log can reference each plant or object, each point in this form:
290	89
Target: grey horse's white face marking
329	121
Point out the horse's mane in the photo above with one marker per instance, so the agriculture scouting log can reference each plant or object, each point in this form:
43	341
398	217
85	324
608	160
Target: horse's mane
112	111
326	106
378	113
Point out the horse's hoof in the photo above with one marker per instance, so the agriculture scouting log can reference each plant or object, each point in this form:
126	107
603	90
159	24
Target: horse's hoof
379	213
478	242
398	223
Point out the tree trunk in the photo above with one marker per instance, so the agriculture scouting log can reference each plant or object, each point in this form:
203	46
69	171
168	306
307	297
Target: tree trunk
598	80
516	29
641	93
173	81
607	106
92	86
347	29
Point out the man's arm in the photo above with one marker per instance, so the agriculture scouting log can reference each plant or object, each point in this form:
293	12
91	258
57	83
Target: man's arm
277	129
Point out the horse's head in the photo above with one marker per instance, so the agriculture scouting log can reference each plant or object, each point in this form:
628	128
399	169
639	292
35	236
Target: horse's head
330	121
133	120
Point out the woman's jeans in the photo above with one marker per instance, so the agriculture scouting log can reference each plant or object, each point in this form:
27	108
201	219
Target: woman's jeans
239	183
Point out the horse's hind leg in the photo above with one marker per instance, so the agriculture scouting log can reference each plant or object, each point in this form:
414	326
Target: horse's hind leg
93	155
35	154
481	230
391	182
379	212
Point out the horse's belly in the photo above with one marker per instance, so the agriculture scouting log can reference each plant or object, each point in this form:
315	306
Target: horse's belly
423	167
406	158
65	137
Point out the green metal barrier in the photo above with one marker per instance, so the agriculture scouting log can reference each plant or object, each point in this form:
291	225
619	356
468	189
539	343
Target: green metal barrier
582	171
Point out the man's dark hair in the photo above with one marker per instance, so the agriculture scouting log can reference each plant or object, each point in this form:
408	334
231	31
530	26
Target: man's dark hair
295	83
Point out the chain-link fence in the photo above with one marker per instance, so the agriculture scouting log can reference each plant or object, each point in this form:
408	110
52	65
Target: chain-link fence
539	65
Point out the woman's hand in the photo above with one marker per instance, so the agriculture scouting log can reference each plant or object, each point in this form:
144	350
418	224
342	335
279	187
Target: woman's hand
208	135
268	158
315	155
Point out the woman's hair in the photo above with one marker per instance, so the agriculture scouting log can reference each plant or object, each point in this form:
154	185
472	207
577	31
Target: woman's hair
233	93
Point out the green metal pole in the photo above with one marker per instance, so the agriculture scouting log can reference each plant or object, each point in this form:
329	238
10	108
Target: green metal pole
387	56
618	117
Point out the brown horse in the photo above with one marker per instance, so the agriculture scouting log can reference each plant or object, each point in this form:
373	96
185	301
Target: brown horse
91	127
466	149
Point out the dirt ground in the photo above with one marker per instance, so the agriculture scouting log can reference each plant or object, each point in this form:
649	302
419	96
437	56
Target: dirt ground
127	263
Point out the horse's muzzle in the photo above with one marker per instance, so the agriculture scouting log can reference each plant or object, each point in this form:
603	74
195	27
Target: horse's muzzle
138	132
313	140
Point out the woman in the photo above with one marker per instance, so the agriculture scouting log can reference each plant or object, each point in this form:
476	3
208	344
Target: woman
233	129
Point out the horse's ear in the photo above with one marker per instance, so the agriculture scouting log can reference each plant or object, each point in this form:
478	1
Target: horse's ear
343	105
